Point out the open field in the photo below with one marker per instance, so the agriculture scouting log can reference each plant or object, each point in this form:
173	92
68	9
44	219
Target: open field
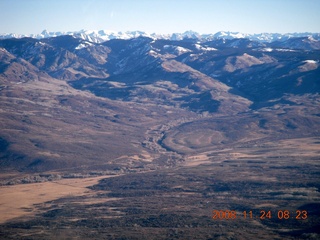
175	175
178	202
261	153
21	200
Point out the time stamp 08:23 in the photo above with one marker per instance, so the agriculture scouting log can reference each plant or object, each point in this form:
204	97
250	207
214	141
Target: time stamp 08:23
263	214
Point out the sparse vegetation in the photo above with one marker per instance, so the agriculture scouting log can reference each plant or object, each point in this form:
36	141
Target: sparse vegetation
114	142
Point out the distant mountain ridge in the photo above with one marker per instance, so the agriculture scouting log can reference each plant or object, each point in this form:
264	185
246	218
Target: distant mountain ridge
98	36
106	99
188	72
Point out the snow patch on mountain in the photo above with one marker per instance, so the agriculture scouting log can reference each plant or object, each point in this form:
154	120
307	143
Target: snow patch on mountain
154	53
310	61
178	50
181	50
83	45
267	49
308	65
199	47
285	50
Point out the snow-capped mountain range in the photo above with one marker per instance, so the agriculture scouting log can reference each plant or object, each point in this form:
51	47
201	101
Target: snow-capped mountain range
98	36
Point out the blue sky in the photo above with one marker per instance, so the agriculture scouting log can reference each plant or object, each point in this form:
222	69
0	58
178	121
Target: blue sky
161	16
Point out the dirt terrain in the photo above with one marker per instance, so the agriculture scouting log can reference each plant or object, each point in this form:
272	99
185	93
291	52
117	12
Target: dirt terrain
20	200
132	139
178	202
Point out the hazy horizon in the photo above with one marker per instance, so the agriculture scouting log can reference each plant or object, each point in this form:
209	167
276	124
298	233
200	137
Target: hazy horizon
163	17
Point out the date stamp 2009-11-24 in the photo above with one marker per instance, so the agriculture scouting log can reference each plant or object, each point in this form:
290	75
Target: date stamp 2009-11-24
262	214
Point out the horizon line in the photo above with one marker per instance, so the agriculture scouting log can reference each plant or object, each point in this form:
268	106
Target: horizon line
130	31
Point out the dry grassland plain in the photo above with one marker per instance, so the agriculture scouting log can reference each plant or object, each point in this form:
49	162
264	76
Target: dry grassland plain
21	200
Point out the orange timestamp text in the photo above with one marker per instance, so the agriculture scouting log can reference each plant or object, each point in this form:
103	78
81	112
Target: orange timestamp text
261	214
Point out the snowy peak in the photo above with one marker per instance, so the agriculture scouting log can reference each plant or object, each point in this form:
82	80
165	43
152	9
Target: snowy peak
98	36
230	35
